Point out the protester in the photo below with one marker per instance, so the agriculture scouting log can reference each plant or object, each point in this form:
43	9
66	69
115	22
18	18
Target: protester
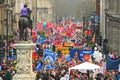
57	63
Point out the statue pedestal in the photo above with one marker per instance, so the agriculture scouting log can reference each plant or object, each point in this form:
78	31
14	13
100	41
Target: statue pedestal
24	61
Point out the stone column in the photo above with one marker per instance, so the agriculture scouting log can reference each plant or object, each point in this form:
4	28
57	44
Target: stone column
24	61
102	18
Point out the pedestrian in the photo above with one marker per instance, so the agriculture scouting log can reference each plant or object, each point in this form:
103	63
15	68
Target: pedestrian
38	75
7	75
98	77
1	78
117	77
62	77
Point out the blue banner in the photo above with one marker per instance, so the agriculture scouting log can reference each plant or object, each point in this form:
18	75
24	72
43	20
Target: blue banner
112	64
97	18
49	58
68	58
39	65
72	52
82	54
41	39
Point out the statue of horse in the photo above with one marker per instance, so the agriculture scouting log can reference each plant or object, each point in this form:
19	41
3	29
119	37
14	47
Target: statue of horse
24	23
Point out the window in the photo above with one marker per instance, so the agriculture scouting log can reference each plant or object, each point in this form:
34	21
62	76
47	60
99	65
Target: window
2	1
112	5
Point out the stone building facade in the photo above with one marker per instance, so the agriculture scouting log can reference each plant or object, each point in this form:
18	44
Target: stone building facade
41	10
3	18
44	10
113	24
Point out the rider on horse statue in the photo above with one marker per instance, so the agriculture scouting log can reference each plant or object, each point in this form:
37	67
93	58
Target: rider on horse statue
25	12
24	21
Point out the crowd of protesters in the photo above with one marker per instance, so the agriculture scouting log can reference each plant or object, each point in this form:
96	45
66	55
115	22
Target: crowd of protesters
60	71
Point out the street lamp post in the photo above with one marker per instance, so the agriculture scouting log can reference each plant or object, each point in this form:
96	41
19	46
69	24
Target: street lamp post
105	42
36	12
7	42
11	12
106	24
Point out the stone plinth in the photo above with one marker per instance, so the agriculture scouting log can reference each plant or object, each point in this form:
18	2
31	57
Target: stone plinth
24	61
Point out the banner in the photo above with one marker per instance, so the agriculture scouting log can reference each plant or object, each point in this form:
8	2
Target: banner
39	65
83	55
112	64
68	44
41	38
49	25
49	58
39	26
64	50
72	52
34	55
67	57
97	18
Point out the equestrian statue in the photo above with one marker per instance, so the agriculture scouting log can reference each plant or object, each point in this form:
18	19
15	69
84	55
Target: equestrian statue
25	22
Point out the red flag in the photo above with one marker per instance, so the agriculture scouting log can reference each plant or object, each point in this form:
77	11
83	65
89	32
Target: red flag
54	24
49	24
34	55
39	26
93	38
